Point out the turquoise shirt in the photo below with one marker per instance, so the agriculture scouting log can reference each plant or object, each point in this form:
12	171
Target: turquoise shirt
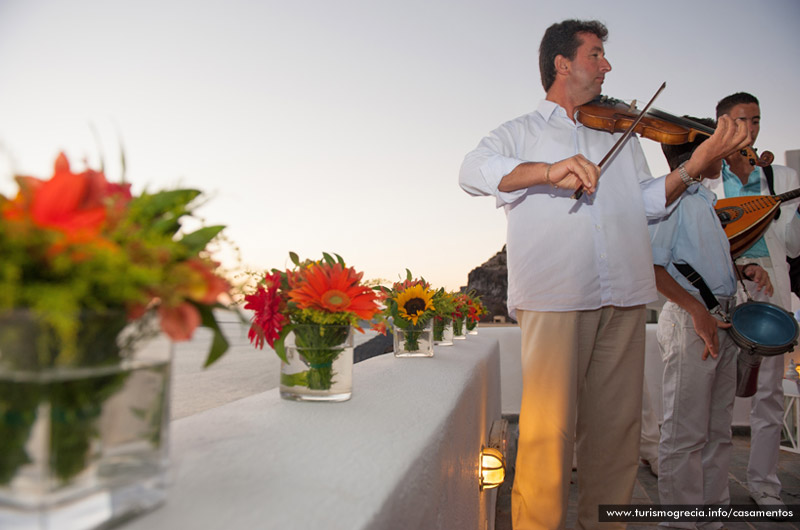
734	188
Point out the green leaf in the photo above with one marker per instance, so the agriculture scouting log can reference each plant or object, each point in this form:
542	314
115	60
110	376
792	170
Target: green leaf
298	379
219	344
328	259
153	205
197	240
340	259
408	275
279	346
295	259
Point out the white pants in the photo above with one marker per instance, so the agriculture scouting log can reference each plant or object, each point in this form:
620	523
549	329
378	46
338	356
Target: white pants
766	413
648	445
698	395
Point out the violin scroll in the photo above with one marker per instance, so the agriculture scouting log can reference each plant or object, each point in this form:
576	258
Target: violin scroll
765	159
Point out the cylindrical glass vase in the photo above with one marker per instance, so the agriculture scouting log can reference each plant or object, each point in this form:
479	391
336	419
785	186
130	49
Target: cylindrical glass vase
472	326
414	341
442	331
319	363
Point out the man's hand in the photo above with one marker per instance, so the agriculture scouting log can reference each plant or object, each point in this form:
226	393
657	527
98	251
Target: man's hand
729	137
706	327
574	172
755	273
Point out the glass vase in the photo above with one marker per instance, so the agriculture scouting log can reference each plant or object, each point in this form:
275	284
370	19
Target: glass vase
319	363
84	426
442	331
459	328
472	326
414	340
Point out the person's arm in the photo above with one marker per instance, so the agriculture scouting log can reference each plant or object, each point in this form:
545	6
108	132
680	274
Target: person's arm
728	138
704	322
569	173
494	168
790	213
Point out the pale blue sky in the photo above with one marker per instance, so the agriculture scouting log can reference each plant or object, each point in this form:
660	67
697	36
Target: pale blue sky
340	126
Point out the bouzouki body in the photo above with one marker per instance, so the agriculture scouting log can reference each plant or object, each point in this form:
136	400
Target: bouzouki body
746	218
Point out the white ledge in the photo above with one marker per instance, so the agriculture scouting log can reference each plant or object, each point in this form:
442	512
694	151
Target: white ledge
402	453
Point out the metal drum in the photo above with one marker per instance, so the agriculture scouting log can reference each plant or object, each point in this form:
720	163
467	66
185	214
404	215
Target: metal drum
759	329
763	329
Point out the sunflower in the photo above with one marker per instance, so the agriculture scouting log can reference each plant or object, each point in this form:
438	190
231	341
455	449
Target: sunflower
413	302
334	289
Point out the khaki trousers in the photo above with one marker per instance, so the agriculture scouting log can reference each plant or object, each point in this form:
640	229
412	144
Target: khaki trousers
582	371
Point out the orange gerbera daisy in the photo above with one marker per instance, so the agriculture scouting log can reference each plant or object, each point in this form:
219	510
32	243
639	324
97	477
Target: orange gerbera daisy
334	289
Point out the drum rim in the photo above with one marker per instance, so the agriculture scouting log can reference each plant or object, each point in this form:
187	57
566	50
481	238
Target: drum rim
748	344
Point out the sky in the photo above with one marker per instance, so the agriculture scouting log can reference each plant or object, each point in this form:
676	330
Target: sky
340	126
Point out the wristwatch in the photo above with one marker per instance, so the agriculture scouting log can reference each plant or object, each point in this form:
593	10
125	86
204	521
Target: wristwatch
687	180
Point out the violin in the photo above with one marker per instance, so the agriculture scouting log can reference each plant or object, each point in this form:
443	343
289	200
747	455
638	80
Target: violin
613	115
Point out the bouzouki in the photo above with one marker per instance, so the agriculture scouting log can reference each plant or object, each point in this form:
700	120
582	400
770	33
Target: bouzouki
745	219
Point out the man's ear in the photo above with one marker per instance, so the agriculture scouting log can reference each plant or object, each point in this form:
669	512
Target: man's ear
562	64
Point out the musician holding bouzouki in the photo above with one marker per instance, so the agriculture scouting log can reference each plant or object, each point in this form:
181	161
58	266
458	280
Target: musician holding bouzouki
781	239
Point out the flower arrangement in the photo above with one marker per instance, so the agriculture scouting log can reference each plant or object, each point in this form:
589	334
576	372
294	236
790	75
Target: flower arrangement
410	306
445	304
475	309
86	269
460	315
318	301
77	244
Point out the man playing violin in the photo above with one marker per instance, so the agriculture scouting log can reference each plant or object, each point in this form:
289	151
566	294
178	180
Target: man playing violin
782	239
580	273
699	382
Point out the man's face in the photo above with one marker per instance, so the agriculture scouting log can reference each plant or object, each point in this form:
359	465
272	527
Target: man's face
750	114
588	70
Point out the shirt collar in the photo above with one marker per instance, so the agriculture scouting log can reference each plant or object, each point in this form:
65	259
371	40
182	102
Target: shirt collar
547	109
752	179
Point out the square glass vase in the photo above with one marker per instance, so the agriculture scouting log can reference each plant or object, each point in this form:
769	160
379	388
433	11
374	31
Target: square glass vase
85	435
442	331
414	341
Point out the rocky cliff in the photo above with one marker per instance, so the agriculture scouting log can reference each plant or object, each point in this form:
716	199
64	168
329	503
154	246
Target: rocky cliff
490	281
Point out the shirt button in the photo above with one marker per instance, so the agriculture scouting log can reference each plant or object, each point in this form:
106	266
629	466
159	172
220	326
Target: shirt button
597	227
602	256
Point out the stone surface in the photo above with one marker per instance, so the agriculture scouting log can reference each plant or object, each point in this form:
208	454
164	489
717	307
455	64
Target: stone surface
490	282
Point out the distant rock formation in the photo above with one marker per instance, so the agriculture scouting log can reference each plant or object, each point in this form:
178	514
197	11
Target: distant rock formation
490	282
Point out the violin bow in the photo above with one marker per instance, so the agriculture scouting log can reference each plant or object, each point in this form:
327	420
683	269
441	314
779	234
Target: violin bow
624	138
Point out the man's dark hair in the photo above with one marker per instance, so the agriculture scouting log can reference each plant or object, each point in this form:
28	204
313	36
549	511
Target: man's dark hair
678	154
562	39
727	103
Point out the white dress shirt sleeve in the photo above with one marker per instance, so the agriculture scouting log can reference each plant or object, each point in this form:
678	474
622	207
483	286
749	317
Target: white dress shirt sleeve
484	167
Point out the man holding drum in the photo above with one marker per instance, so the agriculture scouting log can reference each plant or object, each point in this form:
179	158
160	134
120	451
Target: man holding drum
699	357
782	239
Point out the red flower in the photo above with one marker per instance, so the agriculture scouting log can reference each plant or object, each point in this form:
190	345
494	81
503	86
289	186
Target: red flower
179	322
333	289
268	320
73	203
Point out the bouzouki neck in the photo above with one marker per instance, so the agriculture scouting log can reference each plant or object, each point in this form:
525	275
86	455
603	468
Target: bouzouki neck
788	196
